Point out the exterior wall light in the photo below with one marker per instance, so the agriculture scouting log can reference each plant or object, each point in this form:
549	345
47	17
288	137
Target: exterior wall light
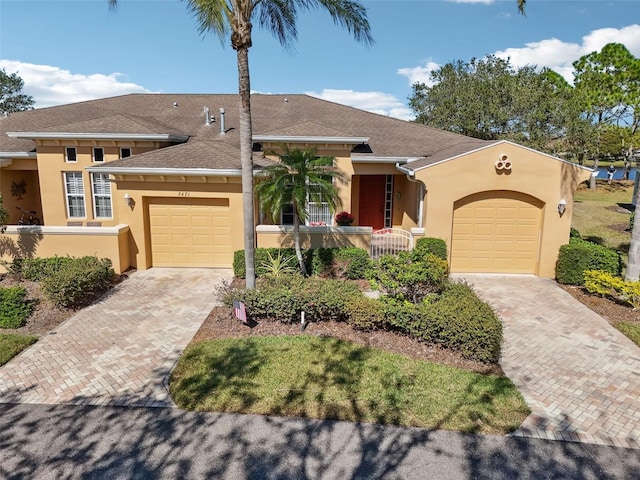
562	206
128	199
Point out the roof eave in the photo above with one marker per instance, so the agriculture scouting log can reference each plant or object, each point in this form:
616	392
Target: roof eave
310	139
16	155
168	137
186	172
393	160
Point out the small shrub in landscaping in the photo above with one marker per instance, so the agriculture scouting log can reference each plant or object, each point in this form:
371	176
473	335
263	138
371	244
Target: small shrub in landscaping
35	269
400	314
435	246
459	320
78	282
573	233
350	262
14	307
405	277
605	284
365	313
579	255
284	298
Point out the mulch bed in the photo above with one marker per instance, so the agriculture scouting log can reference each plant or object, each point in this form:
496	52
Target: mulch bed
610	310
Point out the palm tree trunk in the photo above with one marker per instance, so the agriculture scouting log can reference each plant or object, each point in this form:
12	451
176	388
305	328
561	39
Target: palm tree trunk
296	241
632	274
246	160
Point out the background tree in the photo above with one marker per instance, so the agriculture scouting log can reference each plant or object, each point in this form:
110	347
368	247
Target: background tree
11	97
490	99
298	178
233	18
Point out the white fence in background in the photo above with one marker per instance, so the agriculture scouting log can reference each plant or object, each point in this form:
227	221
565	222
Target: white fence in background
390	241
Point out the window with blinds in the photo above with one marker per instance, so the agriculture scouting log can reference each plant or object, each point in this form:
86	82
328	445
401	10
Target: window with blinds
101	195
74	189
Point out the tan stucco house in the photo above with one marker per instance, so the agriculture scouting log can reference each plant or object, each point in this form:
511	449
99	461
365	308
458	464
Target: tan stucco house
154	180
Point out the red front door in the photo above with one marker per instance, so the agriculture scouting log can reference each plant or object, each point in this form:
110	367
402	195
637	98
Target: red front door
371	206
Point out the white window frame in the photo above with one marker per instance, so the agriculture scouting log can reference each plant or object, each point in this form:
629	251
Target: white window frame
74	194
94	151
66	154
97	180
319	212
122	149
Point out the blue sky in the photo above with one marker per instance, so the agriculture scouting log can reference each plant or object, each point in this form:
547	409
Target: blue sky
69	51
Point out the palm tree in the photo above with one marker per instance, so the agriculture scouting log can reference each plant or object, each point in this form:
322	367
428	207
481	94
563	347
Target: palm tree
234	18
299	178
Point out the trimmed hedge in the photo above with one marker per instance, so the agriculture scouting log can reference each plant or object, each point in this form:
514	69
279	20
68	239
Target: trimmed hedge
285	297
78	281
410	277
35	269
579	256
351	262
14	307
434	246
459	320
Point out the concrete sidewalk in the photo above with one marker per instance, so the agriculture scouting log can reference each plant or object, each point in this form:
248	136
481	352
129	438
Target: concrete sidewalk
119	350
578	374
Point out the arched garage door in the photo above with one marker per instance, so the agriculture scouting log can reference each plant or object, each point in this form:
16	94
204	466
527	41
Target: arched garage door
496	232
188	232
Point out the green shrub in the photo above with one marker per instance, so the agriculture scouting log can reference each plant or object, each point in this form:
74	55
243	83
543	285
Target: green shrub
285	297
579	255
78	282
400	314
405	277
632	219
574	233
365	313
459	320
435	246
350	262
14	307
36	269
605	284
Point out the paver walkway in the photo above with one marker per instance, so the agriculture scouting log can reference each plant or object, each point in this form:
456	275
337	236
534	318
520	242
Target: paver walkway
120	350
578	374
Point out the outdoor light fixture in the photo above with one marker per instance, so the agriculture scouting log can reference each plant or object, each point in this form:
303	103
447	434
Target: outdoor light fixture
562	206
128	199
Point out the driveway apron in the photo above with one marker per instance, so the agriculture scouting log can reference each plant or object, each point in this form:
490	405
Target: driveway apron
578	374
120	350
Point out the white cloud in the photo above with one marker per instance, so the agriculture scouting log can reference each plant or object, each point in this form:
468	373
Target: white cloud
419	74
51	86
376	102
559	55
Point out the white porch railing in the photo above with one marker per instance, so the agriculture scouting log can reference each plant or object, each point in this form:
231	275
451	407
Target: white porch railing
390	241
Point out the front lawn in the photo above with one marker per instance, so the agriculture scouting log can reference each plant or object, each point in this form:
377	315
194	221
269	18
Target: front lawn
602	215
11	344
327	378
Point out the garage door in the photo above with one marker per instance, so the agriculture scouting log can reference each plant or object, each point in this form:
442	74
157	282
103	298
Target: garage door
190	232
496	233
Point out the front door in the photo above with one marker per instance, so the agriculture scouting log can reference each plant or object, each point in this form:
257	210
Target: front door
372	201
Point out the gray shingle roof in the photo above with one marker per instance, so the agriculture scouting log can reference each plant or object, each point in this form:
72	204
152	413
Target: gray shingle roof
273	115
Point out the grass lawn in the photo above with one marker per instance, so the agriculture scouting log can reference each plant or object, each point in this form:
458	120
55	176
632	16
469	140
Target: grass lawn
631	330
12	344
599	215
327	378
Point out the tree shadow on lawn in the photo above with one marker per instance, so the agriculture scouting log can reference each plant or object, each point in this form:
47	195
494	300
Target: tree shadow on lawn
58	441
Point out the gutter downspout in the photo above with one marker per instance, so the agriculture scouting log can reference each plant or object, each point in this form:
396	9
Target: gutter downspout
421	191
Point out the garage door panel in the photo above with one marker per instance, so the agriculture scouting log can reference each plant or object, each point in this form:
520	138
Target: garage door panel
505	234
190	232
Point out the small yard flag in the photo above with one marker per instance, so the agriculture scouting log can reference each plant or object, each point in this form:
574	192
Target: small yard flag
240	311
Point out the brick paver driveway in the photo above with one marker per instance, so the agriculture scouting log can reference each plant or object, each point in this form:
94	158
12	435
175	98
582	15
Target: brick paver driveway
579	375
120	350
